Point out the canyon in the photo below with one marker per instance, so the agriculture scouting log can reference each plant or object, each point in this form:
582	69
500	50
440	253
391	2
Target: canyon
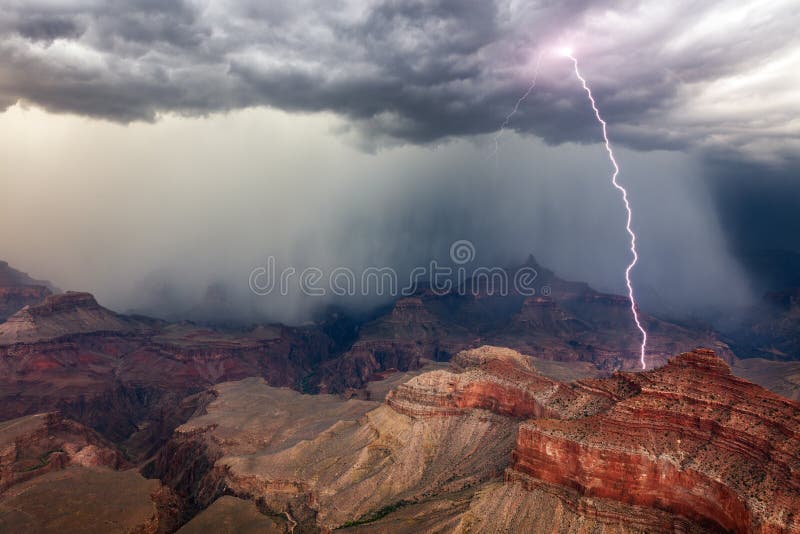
687	446
463	412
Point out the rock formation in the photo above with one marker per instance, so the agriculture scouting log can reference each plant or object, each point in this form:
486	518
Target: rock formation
57	475
571	323
490	445
422	428
17	290
110	371
62	315
36	444
694	441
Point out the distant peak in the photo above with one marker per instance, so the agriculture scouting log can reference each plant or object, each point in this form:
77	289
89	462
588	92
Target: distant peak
60	315
531	261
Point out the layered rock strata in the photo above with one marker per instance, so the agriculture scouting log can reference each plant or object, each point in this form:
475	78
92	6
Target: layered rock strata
695	441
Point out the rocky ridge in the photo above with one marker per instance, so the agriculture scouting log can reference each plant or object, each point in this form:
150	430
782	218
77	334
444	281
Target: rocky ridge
60	315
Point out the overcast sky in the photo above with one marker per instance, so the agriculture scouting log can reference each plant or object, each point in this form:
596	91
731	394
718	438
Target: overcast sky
168	143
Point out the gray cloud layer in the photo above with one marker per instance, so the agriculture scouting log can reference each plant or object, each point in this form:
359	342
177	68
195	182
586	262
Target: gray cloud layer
716	76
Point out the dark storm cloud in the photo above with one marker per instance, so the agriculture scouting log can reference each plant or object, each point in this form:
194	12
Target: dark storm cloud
758	205
48	29
714	79
408	70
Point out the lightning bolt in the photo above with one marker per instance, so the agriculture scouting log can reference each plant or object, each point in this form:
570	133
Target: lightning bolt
521	99
624	192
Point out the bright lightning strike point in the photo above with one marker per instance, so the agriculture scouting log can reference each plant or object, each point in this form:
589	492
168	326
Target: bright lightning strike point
567	52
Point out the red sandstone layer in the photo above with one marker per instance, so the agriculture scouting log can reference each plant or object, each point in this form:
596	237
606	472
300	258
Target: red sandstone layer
499	380
696	441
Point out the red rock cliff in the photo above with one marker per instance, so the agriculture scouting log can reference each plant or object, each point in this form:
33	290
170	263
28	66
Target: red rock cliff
696	442
499	380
